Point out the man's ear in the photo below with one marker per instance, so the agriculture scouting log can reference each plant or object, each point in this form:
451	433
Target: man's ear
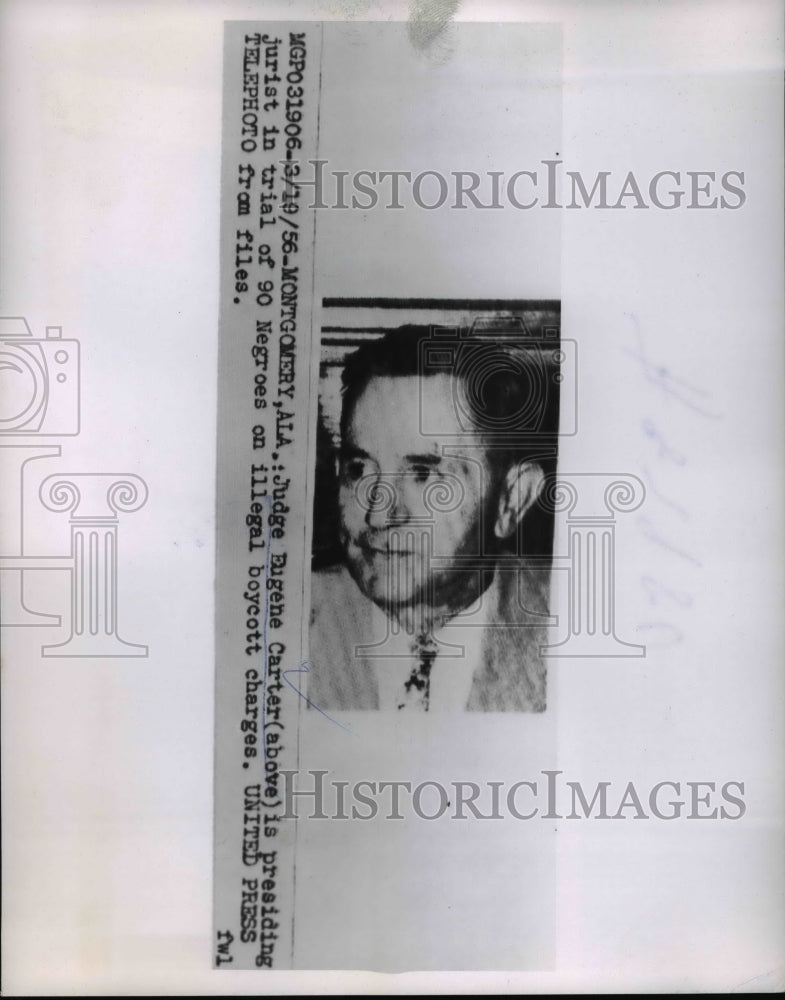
519	490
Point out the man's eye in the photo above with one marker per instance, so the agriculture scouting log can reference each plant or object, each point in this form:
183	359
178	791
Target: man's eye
353	470
422	473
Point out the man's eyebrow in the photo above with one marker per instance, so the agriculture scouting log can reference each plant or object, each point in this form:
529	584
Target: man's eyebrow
352	451
427	458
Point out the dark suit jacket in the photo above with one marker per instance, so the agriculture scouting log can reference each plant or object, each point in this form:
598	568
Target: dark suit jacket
510	672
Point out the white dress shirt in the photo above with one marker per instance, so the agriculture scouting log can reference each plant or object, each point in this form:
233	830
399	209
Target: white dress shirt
458	654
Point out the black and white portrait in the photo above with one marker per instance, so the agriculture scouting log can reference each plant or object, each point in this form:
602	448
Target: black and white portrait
438	426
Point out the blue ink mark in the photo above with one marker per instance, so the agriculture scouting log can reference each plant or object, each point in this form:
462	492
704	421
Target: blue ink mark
663	633
651	431
656	591
651	533
677	635
662	378
681	511
305	668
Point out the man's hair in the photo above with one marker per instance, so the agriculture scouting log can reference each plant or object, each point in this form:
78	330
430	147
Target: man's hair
499	396
396	353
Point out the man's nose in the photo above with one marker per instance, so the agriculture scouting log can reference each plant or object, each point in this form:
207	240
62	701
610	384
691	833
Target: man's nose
387	504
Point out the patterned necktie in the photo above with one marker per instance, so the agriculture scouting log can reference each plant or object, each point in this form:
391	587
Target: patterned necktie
416	691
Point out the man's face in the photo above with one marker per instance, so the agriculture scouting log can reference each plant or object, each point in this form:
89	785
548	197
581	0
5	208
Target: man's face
411	515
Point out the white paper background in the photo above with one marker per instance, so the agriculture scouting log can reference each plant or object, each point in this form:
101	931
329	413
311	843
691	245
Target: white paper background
110	229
